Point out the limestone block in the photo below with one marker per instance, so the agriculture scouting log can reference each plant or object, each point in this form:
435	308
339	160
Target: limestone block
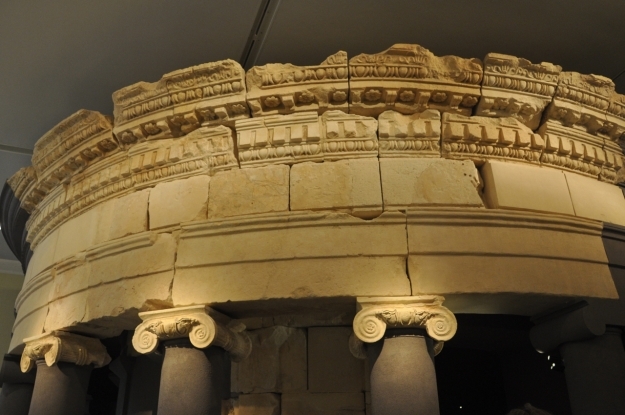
279	139
28	326
331	366
615	126
43	256
416	135
323	404
409	78
78	234
290	255
347	185
277	362
482	138
258	404
515	87
414	182
518	186
484	251
179	201
348	136
123	216
32	308
284	88
596	200
180	102
247	191
20	182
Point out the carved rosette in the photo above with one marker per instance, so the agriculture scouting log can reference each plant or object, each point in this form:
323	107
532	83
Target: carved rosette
204	327
378	313
61	346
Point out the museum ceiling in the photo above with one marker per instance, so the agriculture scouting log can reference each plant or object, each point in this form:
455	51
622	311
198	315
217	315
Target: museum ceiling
58	57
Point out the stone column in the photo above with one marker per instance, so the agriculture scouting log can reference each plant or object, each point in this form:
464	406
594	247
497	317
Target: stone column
593	357
64	362
198	343
401	359
17	387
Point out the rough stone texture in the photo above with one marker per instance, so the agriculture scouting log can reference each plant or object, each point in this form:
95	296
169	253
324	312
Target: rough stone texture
596	200
179	201
323	403
134	219
409	78
247	191
351	186
258	404
429	181
295	255
416	135
331	366
277	363
517	186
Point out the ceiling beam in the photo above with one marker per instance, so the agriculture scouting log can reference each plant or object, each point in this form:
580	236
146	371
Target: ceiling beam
18	150
260	30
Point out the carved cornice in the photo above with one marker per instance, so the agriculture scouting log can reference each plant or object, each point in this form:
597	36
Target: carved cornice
426	312
415	135
284	88
409	79
61	346
204	327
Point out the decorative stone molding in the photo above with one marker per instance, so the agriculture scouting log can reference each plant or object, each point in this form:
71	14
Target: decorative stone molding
377	313
415	135
348	136
204	327
483	138
515	87
409	78
284	88
61	346
212	93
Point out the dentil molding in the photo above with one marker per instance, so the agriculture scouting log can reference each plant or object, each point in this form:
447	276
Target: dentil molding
61	346
204	327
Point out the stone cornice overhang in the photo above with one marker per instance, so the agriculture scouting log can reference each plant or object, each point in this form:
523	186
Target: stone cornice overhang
13	219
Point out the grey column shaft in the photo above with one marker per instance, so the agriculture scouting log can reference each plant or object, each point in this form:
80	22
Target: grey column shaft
15	398
60	389
403	379
145	379
193	381
595	374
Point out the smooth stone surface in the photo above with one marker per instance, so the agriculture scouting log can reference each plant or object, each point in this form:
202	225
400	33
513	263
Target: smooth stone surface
351	186
519	186
60	389
331	366
258	404
403	378
596	200
429	181
595	374
193	382
172	203
246	191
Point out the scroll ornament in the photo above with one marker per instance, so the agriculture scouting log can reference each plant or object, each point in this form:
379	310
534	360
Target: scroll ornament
425	312
61	346
194	322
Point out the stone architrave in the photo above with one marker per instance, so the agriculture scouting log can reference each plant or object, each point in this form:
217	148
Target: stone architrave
376	314
180	102
409	79
415	135
483	138
284	88
61	346
515	87
203	326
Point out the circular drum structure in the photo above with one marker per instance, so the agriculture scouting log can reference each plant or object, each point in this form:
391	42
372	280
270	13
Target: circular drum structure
408	188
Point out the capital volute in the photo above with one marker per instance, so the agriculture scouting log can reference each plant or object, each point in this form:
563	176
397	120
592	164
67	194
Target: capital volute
375	314
202	325
62	346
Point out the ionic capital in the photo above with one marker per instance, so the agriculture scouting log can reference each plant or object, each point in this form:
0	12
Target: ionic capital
204	326
377	313
62	346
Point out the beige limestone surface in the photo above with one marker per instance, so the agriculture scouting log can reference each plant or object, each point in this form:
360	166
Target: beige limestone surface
428	181
351	186
600	201
258	404
172	203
